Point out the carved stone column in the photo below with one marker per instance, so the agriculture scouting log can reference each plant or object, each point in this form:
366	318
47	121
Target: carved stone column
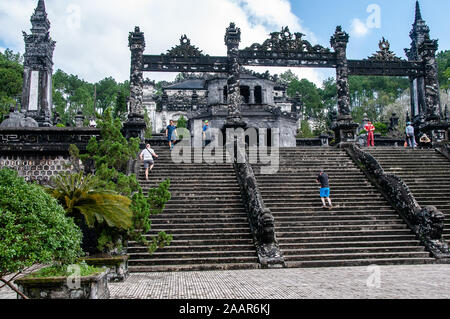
136	126
435	126
344	127
232	40
427	51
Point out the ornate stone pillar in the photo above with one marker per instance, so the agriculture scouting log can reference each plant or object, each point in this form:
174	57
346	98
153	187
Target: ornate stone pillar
427	51
38	69
420	31
136	126
344	127
434	126
232	40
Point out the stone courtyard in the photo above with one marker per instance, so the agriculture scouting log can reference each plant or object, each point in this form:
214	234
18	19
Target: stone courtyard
393	282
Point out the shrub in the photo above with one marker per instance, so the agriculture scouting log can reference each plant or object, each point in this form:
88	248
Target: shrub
33	227
110	155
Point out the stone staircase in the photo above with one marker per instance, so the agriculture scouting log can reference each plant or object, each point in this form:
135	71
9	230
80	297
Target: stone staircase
426	172
205	216
363	230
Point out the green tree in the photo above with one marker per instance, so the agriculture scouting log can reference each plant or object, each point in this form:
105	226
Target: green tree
106	93
111	155
443	61
11	80
34	228
182	122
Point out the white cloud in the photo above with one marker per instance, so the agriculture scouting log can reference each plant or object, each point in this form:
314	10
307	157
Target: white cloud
359	28
92	36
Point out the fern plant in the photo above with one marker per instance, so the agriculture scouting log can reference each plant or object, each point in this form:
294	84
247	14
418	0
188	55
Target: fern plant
79	195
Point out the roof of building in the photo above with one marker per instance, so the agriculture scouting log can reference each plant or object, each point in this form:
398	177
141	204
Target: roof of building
187	85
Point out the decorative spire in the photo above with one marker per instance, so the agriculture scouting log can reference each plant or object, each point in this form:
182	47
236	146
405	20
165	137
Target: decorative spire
418	13
39	20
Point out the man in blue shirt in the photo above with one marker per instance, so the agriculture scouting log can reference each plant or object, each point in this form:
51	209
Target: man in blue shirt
206	133
171	134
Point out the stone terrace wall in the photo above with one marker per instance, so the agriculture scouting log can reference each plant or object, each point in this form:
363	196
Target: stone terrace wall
39	168
40	153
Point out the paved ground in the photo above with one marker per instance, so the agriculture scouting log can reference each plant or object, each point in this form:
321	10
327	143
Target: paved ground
393	282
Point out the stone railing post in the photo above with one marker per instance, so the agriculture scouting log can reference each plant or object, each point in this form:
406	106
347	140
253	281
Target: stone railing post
344	127
136	126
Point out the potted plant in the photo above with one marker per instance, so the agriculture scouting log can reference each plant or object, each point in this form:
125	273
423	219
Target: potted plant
34	229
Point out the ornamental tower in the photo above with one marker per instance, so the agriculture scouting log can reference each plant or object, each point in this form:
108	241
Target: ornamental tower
38	68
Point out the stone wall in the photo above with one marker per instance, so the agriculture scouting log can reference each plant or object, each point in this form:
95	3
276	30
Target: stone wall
40	153
39	167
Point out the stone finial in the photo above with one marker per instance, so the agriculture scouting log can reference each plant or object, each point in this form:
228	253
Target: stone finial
418	13
39	19
232	35
340	38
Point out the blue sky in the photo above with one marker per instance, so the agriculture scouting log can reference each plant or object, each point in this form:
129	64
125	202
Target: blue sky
397	17
92	35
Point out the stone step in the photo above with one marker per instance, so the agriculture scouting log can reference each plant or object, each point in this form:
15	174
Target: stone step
358	262
206	228
366	199
281	224
321	213
198	205
193	267
344	233
191	248
315	217
349	256
349	239
202	198
353	244
193	255
206	241
351	250
199	216
223	211
209	236
287	189
200	222
354	206
188	261
283	230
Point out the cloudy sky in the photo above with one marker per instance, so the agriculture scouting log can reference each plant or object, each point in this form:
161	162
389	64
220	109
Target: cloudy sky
92	35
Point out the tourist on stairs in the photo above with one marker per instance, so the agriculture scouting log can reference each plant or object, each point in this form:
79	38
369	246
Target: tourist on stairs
324	189
171	134
147	157
410	138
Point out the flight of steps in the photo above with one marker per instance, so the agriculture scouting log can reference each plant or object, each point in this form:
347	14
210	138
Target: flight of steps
205	216
426	172
363	230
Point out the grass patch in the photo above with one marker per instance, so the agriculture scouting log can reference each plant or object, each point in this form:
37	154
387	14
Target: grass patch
62	271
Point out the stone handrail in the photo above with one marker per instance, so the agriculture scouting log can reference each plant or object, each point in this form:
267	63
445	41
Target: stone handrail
260	218
427	222
444	150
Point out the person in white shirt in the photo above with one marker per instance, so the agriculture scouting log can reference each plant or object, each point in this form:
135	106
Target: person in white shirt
147	157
